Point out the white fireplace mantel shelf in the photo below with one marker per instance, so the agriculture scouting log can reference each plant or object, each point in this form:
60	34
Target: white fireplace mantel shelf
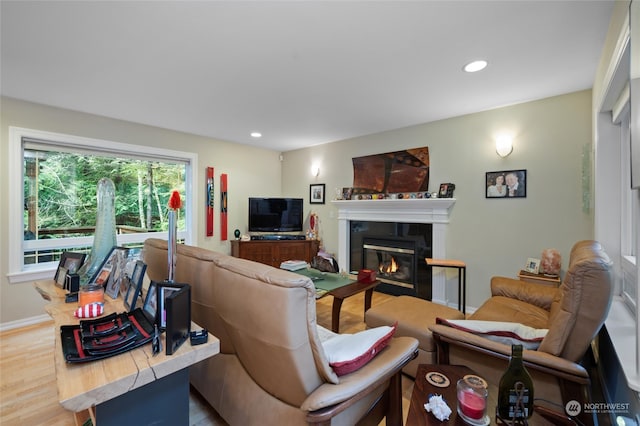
413	210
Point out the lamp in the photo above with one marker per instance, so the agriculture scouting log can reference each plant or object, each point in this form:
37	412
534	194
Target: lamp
315	170
504	145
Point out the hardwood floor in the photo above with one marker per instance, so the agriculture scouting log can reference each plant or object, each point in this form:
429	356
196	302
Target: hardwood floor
28	393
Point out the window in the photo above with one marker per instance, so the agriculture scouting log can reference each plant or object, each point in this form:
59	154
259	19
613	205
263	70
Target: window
55	207
629	211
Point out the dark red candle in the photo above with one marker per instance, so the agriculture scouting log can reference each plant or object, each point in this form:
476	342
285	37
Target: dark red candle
472	405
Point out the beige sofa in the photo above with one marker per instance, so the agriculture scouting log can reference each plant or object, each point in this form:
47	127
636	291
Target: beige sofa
272	368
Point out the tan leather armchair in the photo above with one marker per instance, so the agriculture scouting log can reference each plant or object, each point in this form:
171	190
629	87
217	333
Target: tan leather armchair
272	368
573	313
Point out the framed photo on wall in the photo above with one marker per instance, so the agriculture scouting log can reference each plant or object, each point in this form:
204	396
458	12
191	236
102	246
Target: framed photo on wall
506	184
316	193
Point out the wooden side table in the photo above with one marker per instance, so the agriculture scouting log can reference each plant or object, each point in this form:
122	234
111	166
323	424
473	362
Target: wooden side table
418	416
134	387
462	277
539	278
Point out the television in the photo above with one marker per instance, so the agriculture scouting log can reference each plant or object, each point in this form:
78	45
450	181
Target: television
275	214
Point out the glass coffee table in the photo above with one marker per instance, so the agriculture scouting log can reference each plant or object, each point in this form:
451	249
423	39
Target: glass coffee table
340	287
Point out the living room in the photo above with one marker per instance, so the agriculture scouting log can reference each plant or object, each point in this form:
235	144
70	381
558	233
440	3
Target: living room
554	142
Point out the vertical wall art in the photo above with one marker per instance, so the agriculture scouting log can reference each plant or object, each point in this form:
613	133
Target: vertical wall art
210	202
223	207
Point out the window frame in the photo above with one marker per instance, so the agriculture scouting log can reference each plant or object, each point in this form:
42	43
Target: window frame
628	206
18	271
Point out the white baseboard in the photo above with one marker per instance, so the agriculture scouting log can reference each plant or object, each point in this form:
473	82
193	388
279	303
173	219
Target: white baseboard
24	322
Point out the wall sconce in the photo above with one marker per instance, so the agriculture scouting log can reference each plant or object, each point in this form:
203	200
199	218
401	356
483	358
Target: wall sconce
504	145
315	170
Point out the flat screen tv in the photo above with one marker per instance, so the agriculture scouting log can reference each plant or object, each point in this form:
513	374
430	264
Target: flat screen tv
275	214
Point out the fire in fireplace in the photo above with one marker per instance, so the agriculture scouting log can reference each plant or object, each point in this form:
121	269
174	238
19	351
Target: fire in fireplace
393	259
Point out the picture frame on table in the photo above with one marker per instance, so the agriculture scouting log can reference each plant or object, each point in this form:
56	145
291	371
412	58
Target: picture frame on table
71	262
112	271
135	285
61	276
164	290
506	184
316	193
150	306
532	266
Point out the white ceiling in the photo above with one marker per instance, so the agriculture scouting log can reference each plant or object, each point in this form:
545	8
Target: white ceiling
301	72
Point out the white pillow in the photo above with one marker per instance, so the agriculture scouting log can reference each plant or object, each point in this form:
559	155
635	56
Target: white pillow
349	352
509	333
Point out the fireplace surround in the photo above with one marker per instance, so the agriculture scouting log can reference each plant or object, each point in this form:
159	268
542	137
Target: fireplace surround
434	211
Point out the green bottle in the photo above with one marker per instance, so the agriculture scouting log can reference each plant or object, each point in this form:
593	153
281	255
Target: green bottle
515	392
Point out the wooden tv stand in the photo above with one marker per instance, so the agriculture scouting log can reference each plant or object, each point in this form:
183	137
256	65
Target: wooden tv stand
274	252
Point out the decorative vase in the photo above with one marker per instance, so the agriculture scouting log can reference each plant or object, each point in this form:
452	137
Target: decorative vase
175	202
104	238
171	245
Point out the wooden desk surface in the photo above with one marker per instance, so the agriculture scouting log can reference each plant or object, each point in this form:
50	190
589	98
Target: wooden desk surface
84	385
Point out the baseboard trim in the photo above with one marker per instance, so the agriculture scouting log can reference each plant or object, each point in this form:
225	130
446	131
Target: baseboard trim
25	322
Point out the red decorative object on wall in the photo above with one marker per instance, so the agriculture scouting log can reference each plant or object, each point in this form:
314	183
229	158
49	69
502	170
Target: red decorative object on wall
223	207
209	205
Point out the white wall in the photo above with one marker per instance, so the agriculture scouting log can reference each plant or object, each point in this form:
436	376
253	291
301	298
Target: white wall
493	236
251	171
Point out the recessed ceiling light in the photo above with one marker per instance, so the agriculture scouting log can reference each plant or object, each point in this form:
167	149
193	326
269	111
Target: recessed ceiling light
256	134
475	66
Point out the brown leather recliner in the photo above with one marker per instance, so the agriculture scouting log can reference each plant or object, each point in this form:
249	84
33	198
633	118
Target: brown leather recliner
272	368
573	313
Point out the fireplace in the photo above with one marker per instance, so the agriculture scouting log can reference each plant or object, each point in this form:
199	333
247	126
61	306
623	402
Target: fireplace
396	251
393	260
434	212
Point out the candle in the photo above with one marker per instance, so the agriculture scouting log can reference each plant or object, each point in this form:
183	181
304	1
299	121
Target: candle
472	404
91	293
472	399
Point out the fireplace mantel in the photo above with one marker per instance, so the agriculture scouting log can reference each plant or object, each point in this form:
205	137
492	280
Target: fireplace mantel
415	210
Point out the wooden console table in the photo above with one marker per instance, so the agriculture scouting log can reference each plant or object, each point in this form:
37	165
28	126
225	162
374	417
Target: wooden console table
135	387
274	252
